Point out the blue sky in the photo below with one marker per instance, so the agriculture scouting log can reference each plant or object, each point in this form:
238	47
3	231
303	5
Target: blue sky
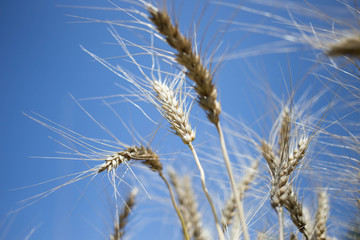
42	63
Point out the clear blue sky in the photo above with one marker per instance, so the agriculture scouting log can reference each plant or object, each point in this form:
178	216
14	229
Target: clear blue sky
40	64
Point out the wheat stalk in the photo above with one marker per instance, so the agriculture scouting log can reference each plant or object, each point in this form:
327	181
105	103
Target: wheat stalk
179	121
203	79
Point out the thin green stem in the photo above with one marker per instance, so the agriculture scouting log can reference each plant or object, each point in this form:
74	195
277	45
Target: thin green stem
239	205
203	184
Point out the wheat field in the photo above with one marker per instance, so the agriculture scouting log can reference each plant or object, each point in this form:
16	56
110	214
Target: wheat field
182	120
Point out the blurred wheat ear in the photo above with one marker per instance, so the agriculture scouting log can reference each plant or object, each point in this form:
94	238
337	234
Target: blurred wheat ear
123	219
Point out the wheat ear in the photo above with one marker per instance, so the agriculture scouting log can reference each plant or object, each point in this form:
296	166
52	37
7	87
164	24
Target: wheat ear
347	46
174	114
173	111
119	229
188	205
187	57
204	87
140	153
321	216
281	166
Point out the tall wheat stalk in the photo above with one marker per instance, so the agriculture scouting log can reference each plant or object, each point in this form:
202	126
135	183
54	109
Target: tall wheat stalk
206	93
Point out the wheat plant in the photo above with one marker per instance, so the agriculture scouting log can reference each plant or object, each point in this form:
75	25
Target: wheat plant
230	154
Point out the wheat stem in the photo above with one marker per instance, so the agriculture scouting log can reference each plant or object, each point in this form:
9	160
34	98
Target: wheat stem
281	222
185	231
239	205
203	184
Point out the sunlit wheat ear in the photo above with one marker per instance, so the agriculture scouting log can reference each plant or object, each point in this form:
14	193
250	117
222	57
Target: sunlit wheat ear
120	224
140	153
187	57
229	210
282	164
173	112
322	214
188	206
179	123
334	41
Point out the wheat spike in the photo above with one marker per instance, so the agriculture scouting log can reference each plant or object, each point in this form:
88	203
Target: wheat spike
188	205
321	216
119	228
348	46
284	136
143	154
187	57
173	112
281	166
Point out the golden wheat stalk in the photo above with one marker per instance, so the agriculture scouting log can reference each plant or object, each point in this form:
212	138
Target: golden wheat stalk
206	90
